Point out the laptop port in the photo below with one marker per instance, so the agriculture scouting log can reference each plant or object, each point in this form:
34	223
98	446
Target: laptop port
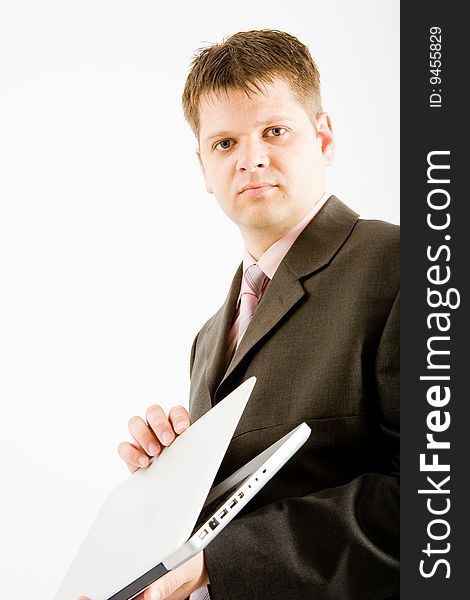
203	534
213	523
223	513
232	504
241	494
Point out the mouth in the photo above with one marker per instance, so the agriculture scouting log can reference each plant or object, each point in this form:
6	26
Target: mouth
256	189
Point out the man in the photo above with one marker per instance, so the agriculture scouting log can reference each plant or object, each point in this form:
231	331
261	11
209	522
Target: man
316	320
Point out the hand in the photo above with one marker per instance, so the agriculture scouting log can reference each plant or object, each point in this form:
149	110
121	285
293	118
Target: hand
153	435
177	584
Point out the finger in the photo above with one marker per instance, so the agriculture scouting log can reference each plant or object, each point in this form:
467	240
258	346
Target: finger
179	419
134	457
160	425
164	587
179	583
144	436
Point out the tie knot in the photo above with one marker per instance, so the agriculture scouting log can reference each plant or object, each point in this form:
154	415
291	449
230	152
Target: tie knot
255	279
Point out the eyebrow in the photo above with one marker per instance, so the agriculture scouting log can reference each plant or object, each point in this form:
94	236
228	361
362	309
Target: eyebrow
274	119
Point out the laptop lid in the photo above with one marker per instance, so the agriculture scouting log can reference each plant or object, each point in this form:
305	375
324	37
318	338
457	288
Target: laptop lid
223	504
153	512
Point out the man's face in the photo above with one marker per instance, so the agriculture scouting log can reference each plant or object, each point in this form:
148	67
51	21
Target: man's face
263	158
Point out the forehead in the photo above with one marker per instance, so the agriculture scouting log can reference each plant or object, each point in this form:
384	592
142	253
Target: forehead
234	108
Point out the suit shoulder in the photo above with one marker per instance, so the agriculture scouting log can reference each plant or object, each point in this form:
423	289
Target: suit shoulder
377	237
374	230
375	246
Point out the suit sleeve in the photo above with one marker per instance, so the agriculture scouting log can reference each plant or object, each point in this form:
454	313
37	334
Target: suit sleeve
339	543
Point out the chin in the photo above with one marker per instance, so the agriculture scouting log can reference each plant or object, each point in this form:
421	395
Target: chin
263	220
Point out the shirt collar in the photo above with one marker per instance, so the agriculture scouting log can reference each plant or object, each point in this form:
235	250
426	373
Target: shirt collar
272	258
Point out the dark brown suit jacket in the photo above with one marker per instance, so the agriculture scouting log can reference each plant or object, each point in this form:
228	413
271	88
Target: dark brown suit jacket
324	346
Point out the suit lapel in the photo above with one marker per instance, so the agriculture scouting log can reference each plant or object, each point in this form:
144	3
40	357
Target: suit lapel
217	334
312	251
323	237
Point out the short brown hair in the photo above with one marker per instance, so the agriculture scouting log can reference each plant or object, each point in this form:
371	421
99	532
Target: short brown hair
247	60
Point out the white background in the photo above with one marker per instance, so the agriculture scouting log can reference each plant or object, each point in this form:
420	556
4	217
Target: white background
106	231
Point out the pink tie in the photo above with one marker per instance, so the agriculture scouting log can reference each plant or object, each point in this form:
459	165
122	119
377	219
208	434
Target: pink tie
254	282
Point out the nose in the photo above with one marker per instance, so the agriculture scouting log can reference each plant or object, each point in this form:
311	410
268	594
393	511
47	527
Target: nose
252	156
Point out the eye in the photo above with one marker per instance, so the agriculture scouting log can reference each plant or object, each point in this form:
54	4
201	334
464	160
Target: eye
276	131
223	145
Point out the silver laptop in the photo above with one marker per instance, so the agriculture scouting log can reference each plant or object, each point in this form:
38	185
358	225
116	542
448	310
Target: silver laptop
161	516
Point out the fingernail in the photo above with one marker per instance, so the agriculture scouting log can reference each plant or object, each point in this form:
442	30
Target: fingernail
166	439
153	449
180	426
143	461
155	595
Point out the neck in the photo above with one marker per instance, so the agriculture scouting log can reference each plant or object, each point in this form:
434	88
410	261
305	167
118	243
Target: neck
258	244
258	240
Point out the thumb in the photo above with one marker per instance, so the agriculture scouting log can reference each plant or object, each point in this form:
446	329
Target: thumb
165	586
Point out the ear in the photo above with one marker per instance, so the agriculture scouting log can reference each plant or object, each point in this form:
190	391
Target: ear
325	133
201	164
